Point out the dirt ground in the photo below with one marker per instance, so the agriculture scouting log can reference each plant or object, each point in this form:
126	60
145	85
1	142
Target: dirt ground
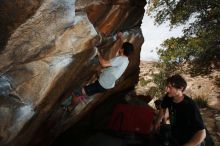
211	118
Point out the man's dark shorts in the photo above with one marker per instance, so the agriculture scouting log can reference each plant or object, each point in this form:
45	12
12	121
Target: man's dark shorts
94	88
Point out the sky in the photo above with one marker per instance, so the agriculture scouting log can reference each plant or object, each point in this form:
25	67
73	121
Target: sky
154	36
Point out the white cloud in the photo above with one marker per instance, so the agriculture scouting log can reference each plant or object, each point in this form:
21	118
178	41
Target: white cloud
154	36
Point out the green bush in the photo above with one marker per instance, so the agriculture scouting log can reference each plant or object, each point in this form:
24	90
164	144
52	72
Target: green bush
144	82
201	102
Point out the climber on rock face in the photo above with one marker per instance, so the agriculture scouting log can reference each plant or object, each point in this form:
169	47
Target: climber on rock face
112	70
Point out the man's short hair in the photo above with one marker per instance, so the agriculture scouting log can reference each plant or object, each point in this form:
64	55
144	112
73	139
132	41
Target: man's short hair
128	48
177	81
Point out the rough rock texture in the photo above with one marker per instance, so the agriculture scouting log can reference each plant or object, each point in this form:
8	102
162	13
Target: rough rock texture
212	122
46	50
9	12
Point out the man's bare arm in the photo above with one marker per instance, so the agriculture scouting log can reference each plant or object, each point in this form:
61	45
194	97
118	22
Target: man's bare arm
197	138
102	61
159	118
105	62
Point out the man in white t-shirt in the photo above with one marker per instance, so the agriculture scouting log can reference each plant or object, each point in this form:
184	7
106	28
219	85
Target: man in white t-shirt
112	70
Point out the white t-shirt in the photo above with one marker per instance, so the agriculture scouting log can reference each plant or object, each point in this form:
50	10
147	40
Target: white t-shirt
110	74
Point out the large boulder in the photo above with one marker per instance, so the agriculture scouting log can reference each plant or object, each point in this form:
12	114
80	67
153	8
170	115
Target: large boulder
47	50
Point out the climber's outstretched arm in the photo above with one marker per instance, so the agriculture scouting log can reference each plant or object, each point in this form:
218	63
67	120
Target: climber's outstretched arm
105	62
119	37
102	61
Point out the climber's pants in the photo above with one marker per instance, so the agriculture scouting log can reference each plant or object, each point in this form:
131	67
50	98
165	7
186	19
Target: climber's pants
94	88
